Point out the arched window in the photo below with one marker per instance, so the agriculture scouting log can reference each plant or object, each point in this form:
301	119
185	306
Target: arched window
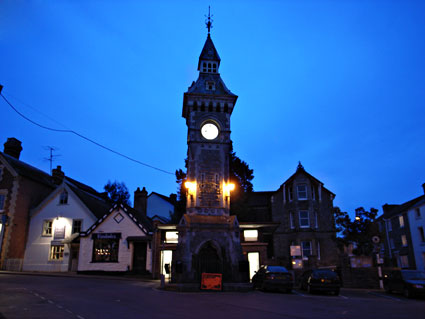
204	67
214	68
209	67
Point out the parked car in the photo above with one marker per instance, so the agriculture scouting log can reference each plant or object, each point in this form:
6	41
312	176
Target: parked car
408	282
325	280
273	278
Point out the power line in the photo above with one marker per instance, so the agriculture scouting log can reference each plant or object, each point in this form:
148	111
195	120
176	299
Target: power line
83	137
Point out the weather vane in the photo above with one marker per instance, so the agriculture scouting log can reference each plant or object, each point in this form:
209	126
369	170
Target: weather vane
209	21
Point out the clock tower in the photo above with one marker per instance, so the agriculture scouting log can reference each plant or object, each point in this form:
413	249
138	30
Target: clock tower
208	236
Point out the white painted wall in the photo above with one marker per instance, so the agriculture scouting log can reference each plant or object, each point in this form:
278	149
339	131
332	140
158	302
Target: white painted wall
418	246
126	227
37	249
158	206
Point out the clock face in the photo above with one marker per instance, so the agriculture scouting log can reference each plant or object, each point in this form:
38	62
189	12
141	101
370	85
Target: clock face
209	131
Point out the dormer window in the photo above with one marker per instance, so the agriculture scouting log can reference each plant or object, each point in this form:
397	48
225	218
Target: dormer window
209	67
210	85
63	198
302	192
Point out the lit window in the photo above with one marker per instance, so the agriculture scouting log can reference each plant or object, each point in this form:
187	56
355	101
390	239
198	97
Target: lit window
302	192
47	227
171	237
421	234
306	248
105	247
304	219
404	261
76	225
404	240
63	198
2	201
250	235
56	252
401	221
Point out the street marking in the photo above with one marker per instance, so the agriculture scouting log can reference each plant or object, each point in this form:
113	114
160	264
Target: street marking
385	296
42	297
59	306
343	297
49	301
69	311
79	317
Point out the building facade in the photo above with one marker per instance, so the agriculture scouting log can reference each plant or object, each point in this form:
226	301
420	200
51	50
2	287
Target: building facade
404	226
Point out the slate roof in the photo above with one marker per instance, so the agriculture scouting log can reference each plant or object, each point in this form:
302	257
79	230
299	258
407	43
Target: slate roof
208	52
394	210
200	85
29	171
94	202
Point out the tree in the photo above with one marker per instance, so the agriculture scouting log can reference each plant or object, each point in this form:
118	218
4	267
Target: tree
117	192
358	231
240	175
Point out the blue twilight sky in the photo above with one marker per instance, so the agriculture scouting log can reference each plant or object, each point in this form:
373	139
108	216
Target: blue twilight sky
338	85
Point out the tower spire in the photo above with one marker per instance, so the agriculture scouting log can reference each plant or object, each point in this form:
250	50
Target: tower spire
209	20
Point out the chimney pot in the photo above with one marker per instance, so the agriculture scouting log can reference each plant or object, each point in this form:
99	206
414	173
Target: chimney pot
141	200
13	147
58	175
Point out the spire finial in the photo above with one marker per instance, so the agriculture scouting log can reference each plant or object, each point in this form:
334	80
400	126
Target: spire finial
209	21
300	166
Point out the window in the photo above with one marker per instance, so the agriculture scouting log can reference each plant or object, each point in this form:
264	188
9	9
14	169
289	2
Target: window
304	219
302	192
306	248
63	198
214	68
291	220
421	234
401	221
47	227
318	251
76	225
171	237
210	85
404	240
390	227
56	252
403	261
105	247
250	235
417	213
2	201
204	67
290	195
392	246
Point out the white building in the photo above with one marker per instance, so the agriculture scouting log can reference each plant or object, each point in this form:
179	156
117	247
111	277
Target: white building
416	216
119	241
56	223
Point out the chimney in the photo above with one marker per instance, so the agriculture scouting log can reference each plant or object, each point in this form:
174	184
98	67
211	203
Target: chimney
173	198
13	147
141	200
58	175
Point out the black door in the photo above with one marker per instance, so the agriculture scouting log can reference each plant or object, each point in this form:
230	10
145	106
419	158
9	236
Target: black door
208	260
139	258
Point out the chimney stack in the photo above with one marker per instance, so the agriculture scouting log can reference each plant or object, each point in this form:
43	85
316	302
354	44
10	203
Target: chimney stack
13	147
58	175
141	200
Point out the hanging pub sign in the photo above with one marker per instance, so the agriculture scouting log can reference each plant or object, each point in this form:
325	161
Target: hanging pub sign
106	236
59	232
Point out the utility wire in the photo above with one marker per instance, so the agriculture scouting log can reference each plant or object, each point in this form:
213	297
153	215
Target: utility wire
85	138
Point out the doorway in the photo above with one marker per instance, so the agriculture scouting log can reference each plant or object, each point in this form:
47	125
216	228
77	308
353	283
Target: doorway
139	258
254	263
208	260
